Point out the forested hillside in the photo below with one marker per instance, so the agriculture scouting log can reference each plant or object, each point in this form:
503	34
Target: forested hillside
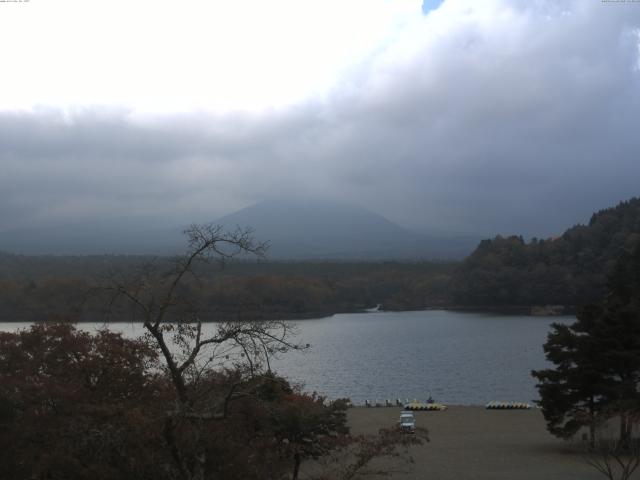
567	270
46	287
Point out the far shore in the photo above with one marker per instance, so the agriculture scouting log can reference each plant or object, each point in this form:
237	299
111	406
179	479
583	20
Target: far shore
540	311
472	443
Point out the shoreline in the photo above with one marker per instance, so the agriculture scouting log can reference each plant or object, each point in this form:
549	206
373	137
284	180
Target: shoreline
524	311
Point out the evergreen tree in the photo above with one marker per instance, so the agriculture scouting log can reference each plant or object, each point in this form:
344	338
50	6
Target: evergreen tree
597	359
571	394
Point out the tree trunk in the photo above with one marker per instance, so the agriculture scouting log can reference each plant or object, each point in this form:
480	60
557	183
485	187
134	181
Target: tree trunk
592	423
200	453
170	438
625	431
199	469
296	465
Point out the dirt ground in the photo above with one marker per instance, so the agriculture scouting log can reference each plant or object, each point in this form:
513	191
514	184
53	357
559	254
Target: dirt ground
478	444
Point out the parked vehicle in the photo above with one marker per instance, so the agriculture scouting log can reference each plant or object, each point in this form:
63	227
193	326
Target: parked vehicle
407	422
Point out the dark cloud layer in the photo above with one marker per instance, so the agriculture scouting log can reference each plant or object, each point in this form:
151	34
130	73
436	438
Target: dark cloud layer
520	119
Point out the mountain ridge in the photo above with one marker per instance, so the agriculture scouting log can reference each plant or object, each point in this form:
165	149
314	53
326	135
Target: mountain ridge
297	229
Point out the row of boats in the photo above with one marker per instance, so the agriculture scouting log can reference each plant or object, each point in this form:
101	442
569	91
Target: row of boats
425	406
435	406
507	406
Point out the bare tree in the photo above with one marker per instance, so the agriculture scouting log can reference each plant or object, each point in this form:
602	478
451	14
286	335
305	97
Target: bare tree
613	461
355	460
616	457
163	301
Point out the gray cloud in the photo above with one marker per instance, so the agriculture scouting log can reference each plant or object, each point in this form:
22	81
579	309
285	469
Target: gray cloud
524	123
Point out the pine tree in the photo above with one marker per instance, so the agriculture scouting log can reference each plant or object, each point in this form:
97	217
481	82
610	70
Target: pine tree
597	360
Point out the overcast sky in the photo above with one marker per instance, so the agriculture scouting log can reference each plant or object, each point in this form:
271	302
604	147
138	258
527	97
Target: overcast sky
462	116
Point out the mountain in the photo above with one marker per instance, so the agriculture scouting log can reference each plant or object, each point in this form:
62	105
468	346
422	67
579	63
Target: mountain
296	229
568	270
314	229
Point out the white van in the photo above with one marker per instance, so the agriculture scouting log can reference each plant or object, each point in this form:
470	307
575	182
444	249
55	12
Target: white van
407	422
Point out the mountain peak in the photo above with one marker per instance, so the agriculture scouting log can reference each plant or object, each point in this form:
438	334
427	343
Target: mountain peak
314	228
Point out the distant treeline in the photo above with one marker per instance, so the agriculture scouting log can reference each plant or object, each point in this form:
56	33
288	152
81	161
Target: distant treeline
505	272
569	270
35	288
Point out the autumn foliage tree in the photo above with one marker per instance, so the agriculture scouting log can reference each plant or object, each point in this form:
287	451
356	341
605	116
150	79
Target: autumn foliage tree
308	427
75	405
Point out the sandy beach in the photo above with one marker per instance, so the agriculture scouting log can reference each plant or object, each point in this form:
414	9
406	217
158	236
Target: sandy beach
474	443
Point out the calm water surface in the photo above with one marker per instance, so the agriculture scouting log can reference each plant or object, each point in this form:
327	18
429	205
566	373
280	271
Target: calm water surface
457	358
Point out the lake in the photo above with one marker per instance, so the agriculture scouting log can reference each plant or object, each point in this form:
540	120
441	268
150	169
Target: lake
457	358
